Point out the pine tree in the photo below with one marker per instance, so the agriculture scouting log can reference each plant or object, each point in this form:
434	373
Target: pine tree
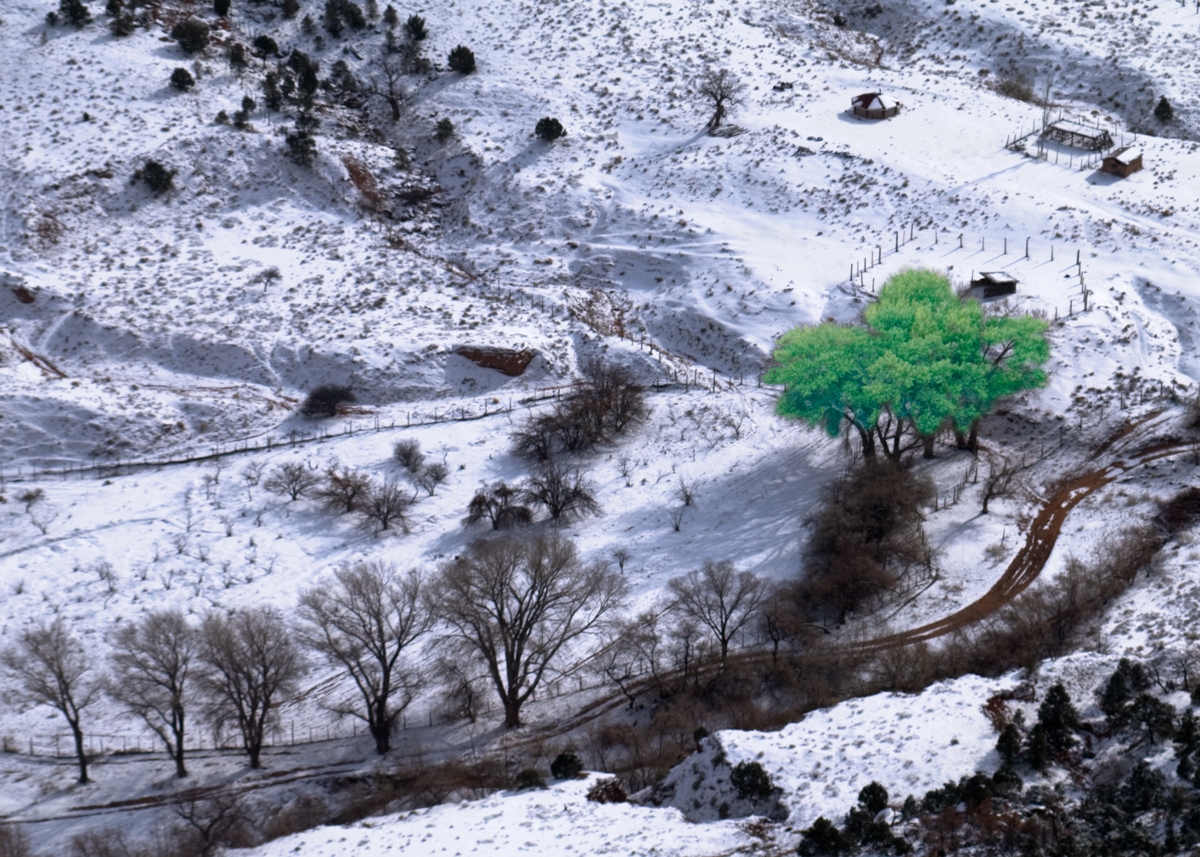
462	60
1164	112
1155	717
182	79
873	798
1058	718
1037	748
1187	734
75	12
271	94
1128	679
1008	745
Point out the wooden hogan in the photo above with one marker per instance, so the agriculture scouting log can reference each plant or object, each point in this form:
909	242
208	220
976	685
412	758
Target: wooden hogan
874	105
1122	162
1078	135
993	284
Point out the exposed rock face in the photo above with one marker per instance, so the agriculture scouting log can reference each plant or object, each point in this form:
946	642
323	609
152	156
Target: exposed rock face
506	360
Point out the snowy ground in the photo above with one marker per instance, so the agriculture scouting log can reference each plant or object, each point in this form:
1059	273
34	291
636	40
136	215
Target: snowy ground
152	333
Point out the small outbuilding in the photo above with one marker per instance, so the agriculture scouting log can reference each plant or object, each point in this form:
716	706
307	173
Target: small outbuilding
1077	135
993	284
1123	162
874	105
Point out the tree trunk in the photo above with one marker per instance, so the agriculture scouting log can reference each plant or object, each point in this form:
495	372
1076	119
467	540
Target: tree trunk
79	752
512	713
960	439
255	751
177	754
381	728
868	444
973	438
394	102
928	441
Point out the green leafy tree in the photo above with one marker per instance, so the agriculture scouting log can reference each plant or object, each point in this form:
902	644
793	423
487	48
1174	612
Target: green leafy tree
923	360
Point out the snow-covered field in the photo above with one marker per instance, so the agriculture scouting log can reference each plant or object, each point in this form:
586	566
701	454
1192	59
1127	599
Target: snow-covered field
140	327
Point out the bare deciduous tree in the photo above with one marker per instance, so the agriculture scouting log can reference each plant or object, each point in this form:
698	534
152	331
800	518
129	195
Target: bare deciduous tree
386	83
720	598
431	476
564	493
386	504
516	604
151	660
212	818
498	504
723	91
248	661
52	668
344	489
408	453
292	479
362	624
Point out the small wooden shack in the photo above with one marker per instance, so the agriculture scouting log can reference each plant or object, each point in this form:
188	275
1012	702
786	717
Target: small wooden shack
1123	162
874	105
1078	135
993	284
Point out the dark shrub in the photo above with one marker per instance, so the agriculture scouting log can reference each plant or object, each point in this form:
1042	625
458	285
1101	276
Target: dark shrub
290	9
236	55
272	96
499	505
122	25
222	118
1164	112
265	46
549	129
221	7
324	401
191	34
408	454
415	28
529	779
462	60
751	781
157	177
1058	717
182	79
607	790
444	130
301	143
1014	86
823	838
866	534
1006	781
74	12
390	17
873	798
566	766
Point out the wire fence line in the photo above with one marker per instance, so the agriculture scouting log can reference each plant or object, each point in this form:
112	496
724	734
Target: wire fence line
690	378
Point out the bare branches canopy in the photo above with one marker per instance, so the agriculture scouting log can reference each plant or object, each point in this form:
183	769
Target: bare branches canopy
516	604
362	623
53	668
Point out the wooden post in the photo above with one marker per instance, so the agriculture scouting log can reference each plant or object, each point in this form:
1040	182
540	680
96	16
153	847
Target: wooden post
1006	246
897	242
960	241
1026	248
1051	252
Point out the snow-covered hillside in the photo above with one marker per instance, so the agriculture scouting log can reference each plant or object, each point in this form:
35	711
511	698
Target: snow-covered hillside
144	327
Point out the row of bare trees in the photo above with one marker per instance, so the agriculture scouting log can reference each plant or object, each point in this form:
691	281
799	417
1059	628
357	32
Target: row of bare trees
507	611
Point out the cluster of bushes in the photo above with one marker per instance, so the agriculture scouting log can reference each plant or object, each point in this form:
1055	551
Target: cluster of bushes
379	505
157	176
863	828
867	536
608	402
